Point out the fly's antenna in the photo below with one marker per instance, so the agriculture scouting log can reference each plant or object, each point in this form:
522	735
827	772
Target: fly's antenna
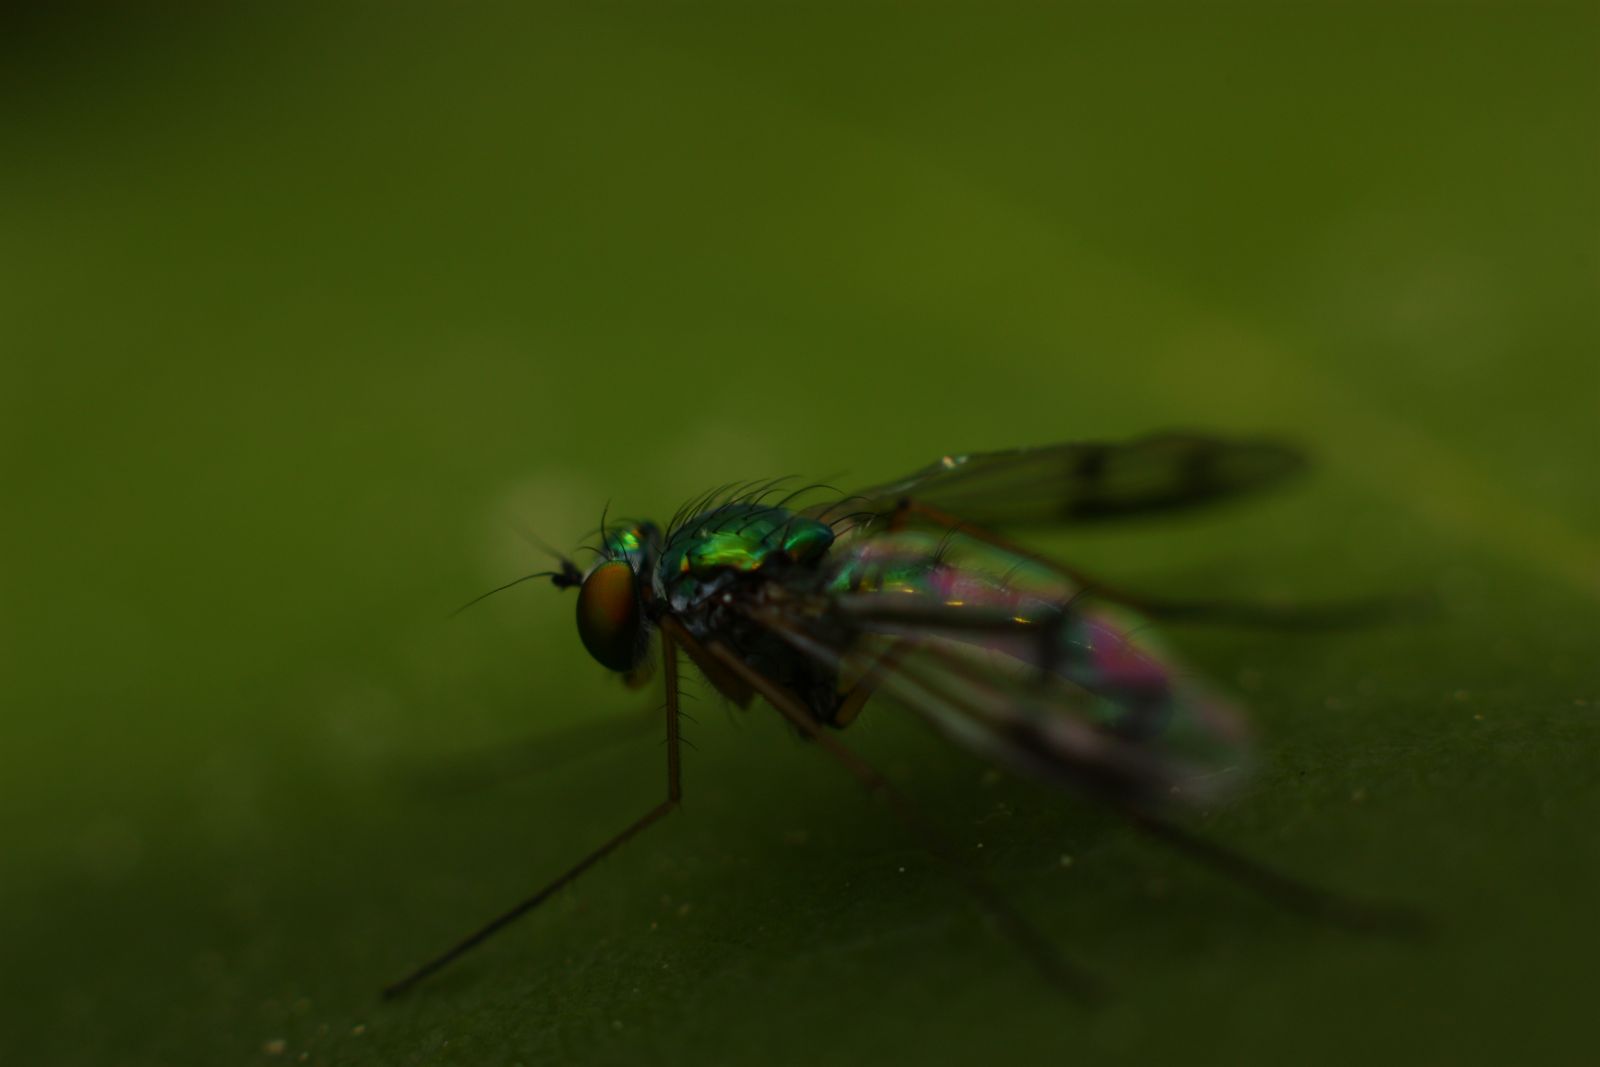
567	577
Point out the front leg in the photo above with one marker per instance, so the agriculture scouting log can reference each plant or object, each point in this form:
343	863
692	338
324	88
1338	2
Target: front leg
669	653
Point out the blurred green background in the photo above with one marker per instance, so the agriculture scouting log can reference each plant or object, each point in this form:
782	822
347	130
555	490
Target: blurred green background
306	313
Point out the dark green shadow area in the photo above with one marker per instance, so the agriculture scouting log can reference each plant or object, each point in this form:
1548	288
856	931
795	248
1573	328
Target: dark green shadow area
303	316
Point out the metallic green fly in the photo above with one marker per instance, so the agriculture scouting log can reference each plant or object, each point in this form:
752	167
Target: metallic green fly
906	589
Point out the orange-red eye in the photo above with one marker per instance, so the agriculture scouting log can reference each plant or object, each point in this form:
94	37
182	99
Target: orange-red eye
608	615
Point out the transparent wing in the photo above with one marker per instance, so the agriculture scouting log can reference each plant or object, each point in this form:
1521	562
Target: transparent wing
1005	657
1080	481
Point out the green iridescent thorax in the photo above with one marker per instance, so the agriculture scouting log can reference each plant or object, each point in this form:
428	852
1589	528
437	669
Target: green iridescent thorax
742	537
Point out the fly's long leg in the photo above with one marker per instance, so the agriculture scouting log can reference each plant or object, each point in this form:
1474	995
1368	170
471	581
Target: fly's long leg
669	678
674	795
853	700
1355	612
1282	889
394	989
1032	943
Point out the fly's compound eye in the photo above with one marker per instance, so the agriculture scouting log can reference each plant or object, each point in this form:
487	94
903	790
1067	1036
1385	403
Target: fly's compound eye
609	615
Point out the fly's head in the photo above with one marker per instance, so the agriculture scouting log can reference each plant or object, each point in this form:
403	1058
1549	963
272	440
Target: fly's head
612	597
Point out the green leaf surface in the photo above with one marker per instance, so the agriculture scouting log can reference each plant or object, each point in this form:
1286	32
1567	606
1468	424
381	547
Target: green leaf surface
307	317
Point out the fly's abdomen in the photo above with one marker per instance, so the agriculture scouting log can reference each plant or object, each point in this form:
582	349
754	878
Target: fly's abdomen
1005	654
